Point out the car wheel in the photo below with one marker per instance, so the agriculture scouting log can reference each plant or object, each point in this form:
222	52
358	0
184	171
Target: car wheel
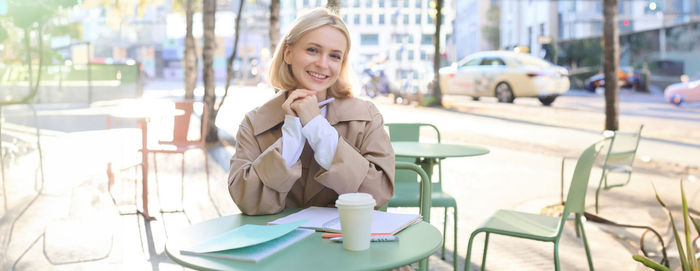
547	100
504	93
475	98
677	99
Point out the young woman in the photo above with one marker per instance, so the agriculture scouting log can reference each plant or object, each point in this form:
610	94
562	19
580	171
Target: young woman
313	140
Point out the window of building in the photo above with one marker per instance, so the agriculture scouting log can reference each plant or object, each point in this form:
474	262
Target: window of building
423	55
417	5
305	3
381	19
369	39
368	3
405	19
368	18
427	39
399	54
430	19
345	17
381	3
356	19
405	3
417	18
394	3
356	4
394	18
411	54
410	39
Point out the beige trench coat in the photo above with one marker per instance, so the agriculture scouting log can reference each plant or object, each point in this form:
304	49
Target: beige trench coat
260	183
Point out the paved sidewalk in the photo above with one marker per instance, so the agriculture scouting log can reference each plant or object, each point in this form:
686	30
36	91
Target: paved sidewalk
69	220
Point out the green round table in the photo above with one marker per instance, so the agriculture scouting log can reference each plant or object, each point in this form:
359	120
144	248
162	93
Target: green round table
415	243
426	154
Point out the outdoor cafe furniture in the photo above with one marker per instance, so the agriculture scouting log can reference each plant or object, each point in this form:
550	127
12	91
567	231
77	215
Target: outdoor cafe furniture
619	158
542	227
142	112
427	155
312	253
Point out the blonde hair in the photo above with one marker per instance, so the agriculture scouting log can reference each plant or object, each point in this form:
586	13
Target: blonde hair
280	72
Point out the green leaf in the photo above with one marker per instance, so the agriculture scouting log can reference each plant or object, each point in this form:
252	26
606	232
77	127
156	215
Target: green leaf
657	197
679	244
649	263
696	222
692	264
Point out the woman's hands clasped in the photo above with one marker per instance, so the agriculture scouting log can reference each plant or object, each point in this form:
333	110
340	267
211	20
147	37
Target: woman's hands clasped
302	103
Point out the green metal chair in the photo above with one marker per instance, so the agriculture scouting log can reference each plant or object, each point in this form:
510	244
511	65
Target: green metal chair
406	186
424	194
619	158
540	227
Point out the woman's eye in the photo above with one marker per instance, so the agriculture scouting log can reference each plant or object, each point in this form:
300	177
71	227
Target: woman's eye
311	50
338	57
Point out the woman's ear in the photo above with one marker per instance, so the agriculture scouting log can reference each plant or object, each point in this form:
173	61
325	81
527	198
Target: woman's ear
287	54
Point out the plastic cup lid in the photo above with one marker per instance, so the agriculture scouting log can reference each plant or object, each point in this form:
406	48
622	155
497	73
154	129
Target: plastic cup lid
355	199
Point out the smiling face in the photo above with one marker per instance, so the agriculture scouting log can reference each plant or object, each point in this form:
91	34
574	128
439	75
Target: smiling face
317	57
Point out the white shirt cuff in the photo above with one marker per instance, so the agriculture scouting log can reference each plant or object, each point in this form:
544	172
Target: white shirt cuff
292	140
323	139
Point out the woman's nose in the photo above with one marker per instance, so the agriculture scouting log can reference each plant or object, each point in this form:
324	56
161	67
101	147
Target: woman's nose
322	61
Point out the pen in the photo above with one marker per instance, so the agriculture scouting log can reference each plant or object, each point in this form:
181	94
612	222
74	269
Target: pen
333	235
326	101
379	238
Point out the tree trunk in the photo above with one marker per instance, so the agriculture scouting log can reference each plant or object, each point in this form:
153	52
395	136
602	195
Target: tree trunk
274	24
229	66
190	54
436	56
611	62
208	20
333	5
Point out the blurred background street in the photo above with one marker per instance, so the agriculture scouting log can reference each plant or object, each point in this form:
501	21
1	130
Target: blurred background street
82	83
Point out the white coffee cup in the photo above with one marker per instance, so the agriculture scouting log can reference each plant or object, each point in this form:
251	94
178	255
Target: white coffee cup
355	210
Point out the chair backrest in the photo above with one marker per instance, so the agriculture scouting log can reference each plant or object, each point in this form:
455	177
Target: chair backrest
576	197
424	188
410	132
623	149
181	123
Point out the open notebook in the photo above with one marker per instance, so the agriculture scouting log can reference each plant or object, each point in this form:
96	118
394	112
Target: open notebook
327	219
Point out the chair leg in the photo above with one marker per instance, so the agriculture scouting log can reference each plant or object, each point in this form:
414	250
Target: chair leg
486	248
444	233
576	225
454	254
556	256
585	244
468	261
597	191
182	184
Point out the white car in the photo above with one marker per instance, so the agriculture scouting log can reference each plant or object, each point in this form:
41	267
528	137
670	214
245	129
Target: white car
506	76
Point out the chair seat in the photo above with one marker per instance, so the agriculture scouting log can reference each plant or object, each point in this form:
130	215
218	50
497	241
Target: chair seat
525	225
410	199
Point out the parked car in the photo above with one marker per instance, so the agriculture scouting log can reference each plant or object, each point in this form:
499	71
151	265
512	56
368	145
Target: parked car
683	92
506	76
626	77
